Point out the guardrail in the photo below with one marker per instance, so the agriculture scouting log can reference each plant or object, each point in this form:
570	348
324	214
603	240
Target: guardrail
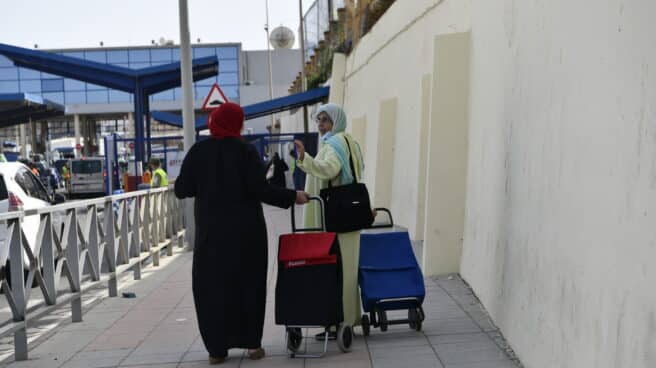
116	234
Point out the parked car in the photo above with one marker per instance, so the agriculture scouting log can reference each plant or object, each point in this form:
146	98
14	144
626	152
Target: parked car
20	189
87	177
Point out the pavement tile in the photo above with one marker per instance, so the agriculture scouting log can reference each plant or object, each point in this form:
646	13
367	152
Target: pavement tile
43	360
458	338
488	364
416	361
450	326
159	358
273	362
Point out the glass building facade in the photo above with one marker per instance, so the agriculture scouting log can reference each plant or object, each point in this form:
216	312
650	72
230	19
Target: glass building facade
69	91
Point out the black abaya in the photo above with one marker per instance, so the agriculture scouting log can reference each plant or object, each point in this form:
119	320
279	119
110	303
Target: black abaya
227	180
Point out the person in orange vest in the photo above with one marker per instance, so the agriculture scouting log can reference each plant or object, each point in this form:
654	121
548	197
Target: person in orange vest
147	176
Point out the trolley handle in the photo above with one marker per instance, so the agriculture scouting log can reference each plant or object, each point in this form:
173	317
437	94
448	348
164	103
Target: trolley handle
323	217
384	225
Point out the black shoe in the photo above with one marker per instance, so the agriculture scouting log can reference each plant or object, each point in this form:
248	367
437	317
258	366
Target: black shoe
332	335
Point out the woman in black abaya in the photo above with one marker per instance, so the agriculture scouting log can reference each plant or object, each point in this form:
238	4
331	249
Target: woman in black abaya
227	179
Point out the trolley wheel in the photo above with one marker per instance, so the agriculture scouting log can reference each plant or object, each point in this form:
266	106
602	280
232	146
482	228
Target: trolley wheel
294	339
382	318
414	317
366	327
345	338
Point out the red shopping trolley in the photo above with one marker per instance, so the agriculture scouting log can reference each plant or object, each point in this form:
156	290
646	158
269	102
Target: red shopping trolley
309	286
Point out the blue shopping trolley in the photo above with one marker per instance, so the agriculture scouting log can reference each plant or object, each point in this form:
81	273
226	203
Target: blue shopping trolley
390	278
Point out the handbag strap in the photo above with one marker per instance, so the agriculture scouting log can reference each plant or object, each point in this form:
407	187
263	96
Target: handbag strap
352	166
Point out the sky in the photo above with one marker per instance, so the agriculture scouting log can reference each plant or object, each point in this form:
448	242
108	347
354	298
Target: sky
85	23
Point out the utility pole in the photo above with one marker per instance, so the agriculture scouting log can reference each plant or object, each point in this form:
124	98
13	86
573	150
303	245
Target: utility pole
266	28
302	45
188	123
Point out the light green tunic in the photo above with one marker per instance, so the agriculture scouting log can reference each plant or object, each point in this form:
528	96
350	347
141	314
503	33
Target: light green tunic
326	166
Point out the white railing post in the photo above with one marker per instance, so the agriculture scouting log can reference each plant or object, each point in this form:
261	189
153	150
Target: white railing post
73	261
110	247
135	243
45	238
93	241
17	300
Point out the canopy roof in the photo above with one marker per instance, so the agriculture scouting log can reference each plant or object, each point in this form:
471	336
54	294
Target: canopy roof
19	108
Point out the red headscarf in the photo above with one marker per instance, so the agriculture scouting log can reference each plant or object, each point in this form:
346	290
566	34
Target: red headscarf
226	121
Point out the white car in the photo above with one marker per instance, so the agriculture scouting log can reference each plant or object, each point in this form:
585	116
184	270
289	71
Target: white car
20	189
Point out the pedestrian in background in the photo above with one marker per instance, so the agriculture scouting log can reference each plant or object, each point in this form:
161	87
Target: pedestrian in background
226	177
159	178
332	165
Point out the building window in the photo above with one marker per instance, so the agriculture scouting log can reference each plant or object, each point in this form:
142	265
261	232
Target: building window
8	73
117	56
75	97
118	96
52	85
94	87
97	96
55	97
139	56
29	73
231	92
79	55
206	82
228	66
228	79
97	56
73	85
5	62
9	87
163	96
30	86
203	52
229	52
160	55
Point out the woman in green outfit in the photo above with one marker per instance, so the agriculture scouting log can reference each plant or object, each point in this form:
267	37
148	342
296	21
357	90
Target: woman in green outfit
332	164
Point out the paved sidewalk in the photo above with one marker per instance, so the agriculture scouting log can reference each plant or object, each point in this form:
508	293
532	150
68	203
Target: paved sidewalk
158	329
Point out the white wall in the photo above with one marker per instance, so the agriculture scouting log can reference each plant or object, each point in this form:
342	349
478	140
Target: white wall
560	241
389	63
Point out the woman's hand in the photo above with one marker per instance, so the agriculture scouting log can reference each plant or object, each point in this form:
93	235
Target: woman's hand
300	149
302	197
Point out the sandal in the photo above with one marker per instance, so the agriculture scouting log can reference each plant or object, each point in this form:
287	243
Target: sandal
256	354
217	360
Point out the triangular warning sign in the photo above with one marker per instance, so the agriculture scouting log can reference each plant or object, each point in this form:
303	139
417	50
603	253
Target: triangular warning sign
214	99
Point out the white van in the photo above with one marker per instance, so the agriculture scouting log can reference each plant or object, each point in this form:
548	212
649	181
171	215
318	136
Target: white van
87	176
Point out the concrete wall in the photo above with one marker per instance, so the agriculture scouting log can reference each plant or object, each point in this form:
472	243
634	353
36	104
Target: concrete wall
388	65
559	239
561	204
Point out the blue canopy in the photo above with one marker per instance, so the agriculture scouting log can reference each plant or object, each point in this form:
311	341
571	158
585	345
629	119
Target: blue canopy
253	111
19	108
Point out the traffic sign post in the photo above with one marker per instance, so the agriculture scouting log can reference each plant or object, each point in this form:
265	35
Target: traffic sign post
215	98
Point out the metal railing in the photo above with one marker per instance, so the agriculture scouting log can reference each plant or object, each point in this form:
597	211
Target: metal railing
96	241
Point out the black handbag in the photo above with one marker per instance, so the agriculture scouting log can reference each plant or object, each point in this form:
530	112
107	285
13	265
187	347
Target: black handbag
347	207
